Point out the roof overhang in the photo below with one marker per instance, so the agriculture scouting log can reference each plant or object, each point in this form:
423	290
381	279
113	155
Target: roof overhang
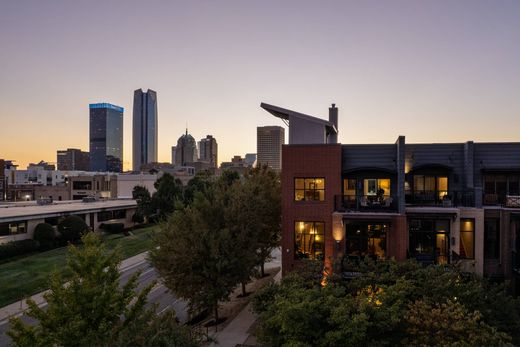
286	114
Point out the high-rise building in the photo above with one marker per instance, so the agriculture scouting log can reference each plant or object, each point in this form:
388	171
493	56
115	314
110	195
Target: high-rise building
106	137
144	128
269	141
73	159
186	151
209	150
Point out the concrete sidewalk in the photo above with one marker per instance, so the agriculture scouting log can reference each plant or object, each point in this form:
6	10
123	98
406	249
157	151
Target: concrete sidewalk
19	307
237	331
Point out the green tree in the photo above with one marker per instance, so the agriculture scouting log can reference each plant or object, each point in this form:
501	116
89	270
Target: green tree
168	194
201	182
45	235
449	324
241	219
264	196
87	310
194	253
144	202
388	304
92	308
72	228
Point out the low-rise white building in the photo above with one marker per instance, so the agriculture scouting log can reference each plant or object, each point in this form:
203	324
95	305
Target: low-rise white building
18	220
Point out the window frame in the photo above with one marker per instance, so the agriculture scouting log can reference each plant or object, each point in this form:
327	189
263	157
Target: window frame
462	220
297	248
312	191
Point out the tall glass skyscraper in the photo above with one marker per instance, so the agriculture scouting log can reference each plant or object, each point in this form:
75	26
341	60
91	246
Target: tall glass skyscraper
144	128
106	137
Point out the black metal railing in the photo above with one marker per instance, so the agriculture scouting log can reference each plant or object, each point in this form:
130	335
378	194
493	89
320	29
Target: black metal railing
501	200
365	203
441	198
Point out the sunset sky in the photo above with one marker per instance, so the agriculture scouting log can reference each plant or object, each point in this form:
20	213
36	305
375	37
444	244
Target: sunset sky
434	71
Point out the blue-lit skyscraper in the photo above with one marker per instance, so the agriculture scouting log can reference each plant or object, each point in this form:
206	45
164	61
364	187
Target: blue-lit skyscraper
106	137
144	149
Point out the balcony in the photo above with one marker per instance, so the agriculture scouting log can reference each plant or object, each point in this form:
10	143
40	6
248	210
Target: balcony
440	198
501	200
365	203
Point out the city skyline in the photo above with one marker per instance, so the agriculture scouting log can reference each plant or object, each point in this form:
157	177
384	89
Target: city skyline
435	72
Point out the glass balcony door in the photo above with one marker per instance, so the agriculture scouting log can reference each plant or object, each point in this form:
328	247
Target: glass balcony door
429	240
365	239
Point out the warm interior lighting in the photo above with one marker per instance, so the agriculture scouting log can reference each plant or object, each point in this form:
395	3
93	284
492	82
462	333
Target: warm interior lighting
338	233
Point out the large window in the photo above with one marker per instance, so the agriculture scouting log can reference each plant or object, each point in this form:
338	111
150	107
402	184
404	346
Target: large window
434	187
429	240
309	189
309	240
491	238
467	238
366	240
498	187
14	228
376	186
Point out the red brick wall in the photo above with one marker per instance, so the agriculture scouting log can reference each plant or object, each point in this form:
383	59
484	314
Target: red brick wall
397	238
308	161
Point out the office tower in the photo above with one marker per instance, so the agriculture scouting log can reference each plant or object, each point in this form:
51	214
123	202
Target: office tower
269	141
73	159
209	150
186	151
144	128
174	150
106	137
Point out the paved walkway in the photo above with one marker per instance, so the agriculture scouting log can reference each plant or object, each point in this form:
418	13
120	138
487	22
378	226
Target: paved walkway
17	308
237	331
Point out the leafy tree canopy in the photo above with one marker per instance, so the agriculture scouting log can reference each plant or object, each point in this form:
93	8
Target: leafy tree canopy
93	309
390	304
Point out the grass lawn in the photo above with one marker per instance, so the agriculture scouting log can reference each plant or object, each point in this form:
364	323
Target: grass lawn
26	276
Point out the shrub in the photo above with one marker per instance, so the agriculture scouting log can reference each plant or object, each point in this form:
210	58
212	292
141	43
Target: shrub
138	218
44	234
14	248
72	228
113	228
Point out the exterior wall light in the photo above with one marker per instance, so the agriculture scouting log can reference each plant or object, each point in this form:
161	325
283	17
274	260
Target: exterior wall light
338	233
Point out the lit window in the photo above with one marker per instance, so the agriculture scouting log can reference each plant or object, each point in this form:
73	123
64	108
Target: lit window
376	186
309	189
309	240
467	238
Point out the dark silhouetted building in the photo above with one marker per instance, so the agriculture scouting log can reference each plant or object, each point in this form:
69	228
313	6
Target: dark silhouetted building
42	165
209	151
144	128
186	150
106	137
73	159
269	141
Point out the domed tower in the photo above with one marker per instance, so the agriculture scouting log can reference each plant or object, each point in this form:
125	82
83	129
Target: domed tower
186	151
